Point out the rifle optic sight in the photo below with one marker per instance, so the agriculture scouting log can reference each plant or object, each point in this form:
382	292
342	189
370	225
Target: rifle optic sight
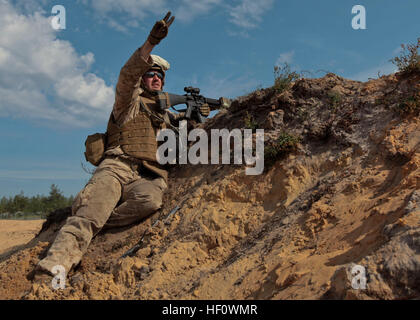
192	90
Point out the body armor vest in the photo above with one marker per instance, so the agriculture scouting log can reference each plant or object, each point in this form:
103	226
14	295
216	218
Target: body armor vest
137	137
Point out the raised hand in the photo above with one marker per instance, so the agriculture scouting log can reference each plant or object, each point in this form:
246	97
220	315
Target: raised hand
160	29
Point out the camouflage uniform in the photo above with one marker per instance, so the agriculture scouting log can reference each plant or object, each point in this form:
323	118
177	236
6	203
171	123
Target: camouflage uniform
122	190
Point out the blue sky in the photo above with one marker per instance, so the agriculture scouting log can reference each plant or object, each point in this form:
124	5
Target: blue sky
57	86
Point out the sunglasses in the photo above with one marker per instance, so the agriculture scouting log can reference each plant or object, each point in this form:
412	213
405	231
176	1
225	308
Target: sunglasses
151	74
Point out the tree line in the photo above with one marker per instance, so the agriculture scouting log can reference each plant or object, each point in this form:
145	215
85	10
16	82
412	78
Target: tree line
39	206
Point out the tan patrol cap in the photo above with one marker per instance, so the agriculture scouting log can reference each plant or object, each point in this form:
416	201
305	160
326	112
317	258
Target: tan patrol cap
159	62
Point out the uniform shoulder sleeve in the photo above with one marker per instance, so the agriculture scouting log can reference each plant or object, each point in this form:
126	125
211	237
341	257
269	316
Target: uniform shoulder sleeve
129	76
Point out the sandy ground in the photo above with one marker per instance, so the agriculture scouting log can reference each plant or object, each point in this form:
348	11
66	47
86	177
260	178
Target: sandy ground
17	232
349	195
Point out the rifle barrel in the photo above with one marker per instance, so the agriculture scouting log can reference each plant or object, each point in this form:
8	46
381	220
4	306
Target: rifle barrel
212	102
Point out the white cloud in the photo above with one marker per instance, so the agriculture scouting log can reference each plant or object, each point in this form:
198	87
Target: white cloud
132	11
125	14
29	6
42	77
190	9
137	8
286	57
248	13
135	11
84	89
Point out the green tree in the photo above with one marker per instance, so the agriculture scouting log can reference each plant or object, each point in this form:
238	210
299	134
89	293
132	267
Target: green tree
55	199
21	206
3	204
20	202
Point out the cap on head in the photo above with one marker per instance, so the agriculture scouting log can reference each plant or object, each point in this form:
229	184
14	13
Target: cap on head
159	64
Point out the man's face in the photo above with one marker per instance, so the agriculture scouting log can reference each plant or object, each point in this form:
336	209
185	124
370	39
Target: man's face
153	80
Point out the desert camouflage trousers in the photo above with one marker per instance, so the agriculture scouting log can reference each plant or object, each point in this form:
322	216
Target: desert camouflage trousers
116	195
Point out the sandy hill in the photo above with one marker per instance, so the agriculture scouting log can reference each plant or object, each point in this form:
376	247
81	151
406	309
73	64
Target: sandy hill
340	188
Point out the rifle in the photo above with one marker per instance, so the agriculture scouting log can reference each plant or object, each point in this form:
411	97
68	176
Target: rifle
194	101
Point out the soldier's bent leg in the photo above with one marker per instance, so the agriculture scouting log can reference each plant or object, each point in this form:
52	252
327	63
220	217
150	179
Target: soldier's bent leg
140	199
91	209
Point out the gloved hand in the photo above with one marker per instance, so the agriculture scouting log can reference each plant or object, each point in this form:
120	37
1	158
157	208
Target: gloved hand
205	110
160	29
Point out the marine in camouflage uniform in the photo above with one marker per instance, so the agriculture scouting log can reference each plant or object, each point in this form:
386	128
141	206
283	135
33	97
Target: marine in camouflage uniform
128	184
